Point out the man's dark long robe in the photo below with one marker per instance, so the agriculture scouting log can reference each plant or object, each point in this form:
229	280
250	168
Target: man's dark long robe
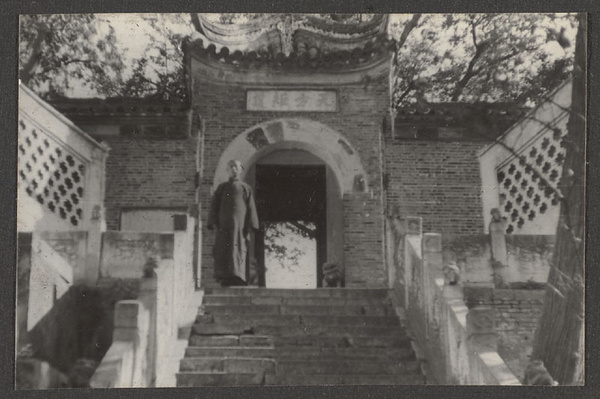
233	216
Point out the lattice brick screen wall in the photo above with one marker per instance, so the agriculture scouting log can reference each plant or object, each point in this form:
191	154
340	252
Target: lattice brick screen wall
50	173
527	183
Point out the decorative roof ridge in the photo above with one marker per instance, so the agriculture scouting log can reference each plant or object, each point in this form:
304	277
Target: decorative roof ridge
237	34
251	26
378	23
257	27
280	30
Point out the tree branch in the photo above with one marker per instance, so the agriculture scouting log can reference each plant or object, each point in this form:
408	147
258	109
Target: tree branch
473	33
404	35
402	96
79	61
505	57
43	33
309	232
470	72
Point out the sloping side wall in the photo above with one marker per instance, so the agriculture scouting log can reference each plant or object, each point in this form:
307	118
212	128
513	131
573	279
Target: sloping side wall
61	170
521	171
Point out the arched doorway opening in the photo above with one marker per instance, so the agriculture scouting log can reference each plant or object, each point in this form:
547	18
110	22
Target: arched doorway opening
300	171
300	209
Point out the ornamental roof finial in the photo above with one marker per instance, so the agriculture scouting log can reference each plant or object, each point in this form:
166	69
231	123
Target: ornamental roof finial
286	30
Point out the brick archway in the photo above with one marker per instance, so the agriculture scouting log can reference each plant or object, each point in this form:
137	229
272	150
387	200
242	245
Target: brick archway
302	134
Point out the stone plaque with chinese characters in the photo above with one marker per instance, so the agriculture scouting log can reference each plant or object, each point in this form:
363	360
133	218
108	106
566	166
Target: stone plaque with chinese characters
292	100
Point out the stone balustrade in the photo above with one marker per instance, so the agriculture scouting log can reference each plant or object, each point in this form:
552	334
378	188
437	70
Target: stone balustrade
126	362
150	349
457	345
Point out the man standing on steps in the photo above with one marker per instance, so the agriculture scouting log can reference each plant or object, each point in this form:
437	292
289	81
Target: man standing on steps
233	215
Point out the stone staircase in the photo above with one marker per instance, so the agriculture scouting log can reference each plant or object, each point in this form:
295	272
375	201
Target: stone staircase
258	336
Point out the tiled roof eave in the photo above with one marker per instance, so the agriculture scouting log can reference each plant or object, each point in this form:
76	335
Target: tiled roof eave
116	107
294	69
336	60
460	114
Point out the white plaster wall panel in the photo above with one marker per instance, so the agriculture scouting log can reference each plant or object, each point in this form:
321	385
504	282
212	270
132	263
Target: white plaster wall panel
534	142
60	172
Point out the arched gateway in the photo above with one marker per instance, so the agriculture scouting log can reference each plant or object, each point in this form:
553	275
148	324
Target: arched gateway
300	101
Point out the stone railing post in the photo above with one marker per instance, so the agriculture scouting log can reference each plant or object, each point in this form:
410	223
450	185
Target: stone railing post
95	222
497	229
131	324
148	296
413	234
481	329
123	364
453	298
432	266
392	246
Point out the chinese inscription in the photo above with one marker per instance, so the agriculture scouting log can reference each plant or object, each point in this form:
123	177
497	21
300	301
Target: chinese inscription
292	100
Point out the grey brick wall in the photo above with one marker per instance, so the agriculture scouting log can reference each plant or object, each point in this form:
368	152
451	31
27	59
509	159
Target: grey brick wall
438	181
147	173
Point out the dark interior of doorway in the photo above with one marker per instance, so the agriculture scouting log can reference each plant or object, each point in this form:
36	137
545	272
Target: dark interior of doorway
294	194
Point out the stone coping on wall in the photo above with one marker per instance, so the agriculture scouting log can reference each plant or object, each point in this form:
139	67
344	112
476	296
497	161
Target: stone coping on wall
131	254
61	127
478	294
557	102
528	258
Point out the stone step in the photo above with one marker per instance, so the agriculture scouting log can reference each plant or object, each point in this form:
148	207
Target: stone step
344	379
303	353
298	293
192	379
296	301
249	327
347	353
350	321
314	310
255	336
235	365
249	340
230	351
364	367
399	340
